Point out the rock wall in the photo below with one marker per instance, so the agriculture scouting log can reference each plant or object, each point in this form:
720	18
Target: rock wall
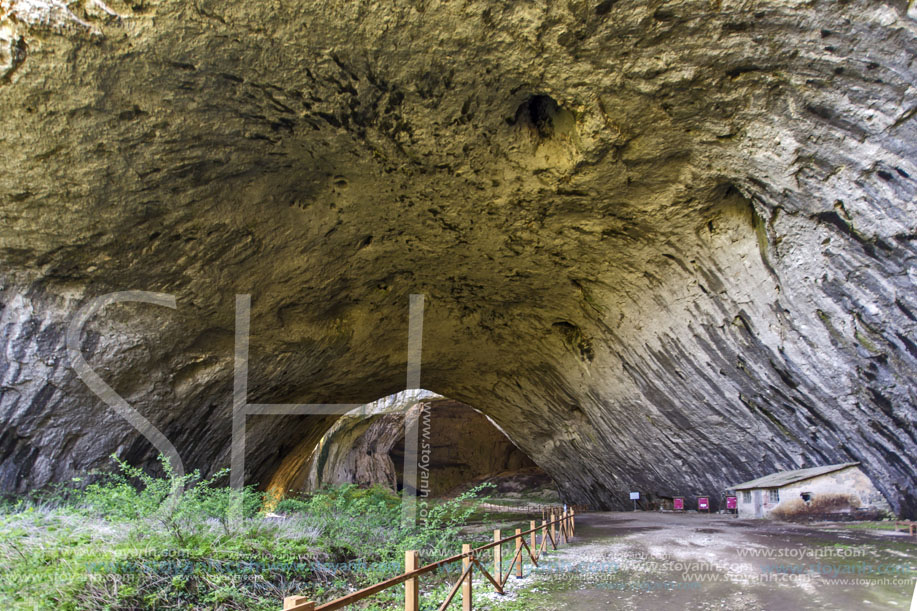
456	446
662	244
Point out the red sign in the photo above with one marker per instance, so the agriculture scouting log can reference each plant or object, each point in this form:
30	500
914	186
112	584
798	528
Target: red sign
731	502
703	503
678	504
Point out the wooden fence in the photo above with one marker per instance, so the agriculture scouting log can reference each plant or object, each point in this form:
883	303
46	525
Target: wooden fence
909	526
557	526
544	510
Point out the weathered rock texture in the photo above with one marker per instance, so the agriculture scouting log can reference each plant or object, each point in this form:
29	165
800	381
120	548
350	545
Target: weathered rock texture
456	445
663	244
464	448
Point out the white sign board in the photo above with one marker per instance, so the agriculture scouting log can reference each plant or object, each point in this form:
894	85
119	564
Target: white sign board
635	496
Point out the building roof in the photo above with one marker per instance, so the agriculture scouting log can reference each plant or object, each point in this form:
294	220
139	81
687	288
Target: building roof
784	478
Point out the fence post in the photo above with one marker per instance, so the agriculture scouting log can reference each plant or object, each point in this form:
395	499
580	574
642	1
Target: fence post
291	601
411	586
544	534
534	546
498	558
466	585
553	530
565	527
519	553
573	522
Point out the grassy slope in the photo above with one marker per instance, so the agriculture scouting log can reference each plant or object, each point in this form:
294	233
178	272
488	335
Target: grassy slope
128	543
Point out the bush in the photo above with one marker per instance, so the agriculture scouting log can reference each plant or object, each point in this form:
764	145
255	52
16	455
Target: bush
132	540
181	504
440	523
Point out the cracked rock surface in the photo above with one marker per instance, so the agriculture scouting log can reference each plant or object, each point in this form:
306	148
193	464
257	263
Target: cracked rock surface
663	245
455	445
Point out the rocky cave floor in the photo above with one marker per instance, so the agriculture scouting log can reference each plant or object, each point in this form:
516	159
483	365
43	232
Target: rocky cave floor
653	560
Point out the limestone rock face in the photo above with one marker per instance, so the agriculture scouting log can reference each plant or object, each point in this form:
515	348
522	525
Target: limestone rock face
455	446
663	245
355	451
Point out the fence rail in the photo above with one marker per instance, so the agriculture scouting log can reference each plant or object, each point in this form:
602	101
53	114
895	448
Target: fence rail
557	526
544	510
908	525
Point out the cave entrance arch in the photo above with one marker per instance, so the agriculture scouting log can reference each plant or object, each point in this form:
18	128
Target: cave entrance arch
458	448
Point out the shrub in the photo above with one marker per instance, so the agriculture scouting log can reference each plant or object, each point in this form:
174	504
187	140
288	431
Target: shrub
181	504
439	523
132	540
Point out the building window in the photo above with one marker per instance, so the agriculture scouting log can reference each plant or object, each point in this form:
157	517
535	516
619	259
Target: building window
773	495
746	496
806	496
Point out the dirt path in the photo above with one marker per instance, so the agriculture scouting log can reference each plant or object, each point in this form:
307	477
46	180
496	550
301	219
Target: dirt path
648	560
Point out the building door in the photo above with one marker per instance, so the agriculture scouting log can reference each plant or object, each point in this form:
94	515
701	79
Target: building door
759	513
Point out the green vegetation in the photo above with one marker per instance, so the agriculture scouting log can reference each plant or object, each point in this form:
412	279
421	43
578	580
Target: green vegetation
870	525
133	541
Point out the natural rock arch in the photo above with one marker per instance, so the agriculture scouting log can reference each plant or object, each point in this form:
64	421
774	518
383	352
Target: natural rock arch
456	447
708	275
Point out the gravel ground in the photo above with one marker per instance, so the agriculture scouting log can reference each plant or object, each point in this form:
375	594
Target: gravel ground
648	560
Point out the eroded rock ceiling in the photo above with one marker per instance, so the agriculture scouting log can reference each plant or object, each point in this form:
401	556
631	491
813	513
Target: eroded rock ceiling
663	245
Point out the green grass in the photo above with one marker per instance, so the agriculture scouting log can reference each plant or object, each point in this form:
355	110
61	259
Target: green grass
133	541
875	525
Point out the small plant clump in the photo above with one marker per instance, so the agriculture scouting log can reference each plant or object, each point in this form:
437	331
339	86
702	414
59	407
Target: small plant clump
135	541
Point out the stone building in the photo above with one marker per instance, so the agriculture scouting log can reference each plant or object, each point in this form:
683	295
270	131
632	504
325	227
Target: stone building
838	491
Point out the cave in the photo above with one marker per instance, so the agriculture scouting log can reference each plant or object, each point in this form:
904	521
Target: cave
662	246
460	448
457	449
